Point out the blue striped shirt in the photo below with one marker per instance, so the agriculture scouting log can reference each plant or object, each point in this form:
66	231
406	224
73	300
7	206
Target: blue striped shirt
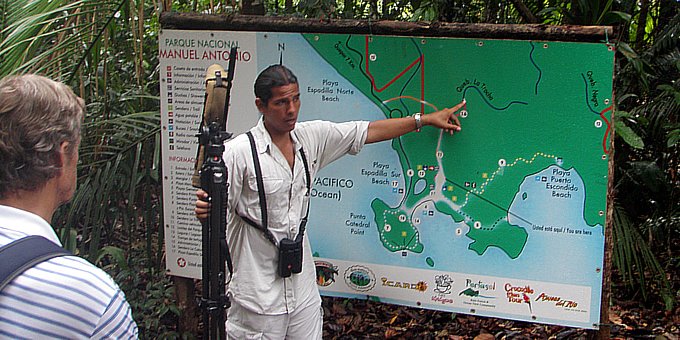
61	298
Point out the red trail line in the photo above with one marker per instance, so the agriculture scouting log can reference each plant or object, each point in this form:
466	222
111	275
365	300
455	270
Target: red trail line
420	60
609	127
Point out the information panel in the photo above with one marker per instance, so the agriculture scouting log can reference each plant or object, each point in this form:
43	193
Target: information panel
504	218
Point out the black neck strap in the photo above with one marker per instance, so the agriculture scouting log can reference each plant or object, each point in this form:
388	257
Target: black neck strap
303	222
263	200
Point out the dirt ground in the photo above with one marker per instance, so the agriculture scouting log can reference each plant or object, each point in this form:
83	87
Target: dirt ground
360	319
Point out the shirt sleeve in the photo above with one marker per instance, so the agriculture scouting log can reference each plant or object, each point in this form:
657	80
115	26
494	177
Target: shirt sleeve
116	322
334	140
235	161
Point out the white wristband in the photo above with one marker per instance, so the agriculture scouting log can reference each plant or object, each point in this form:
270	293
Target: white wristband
419	121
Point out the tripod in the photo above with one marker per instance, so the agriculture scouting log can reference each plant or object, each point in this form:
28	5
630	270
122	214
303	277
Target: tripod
213	179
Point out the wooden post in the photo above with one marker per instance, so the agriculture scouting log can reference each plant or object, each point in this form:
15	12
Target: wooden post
605	329
185	294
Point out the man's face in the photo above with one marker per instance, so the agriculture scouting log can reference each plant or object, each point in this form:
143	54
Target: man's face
281	111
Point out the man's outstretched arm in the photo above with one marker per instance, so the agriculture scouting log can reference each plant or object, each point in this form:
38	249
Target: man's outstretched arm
385	129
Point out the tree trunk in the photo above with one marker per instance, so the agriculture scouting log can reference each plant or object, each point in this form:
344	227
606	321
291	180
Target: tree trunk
525	12
374	9
166	5
491	11
174	20
668	11
252	7
642	25
576	16
348	10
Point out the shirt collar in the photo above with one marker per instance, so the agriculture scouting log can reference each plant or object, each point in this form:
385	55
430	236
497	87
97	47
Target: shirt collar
263	140
27	223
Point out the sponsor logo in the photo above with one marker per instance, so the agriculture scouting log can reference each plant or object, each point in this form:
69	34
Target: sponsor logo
359	278
420	286
473	289
474	294
443	284
480	285
519	294
559	301
325	273
441	298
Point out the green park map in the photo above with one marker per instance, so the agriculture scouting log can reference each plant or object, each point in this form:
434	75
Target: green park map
520	117
504	218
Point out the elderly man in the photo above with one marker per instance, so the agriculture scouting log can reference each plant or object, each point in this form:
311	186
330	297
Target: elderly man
64	297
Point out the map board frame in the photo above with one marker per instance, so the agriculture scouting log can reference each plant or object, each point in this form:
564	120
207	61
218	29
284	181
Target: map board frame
182	231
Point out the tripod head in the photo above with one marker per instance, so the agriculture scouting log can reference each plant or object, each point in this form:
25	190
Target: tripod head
212	132
212	137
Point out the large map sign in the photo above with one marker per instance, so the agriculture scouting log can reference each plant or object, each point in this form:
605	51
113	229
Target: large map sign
504	218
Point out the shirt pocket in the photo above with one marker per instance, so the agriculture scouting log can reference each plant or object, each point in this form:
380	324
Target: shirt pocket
276	193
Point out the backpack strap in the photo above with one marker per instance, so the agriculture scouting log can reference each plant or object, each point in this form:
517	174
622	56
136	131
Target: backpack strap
25	253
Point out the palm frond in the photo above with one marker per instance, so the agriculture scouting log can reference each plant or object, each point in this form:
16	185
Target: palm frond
669	37
634	258
53	38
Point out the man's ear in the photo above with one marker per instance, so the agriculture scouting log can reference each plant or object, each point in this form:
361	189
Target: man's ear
61	155
260	104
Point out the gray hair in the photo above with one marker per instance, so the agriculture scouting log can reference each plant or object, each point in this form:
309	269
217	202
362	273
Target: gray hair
37	114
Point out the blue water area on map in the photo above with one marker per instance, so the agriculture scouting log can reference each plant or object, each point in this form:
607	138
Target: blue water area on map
572	246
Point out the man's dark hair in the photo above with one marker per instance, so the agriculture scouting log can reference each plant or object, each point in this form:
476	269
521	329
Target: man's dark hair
272	76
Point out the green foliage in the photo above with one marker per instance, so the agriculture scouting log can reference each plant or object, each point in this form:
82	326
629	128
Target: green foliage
149	291
636	260
647	154
106	50
626	133
54	38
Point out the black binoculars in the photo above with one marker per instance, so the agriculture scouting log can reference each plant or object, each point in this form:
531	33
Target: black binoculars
290	256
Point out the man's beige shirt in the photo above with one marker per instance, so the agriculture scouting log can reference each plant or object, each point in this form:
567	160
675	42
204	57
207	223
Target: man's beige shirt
256	284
